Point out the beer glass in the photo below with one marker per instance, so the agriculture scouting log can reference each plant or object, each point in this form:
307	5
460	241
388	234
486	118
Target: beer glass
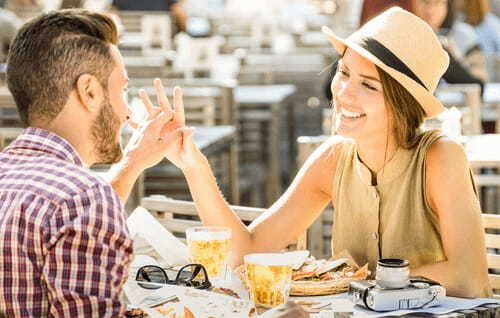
209	246
268	276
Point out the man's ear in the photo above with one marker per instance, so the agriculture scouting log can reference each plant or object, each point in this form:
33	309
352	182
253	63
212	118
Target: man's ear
89	92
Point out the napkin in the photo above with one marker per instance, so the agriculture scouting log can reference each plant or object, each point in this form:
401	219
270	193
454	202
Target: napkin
172	251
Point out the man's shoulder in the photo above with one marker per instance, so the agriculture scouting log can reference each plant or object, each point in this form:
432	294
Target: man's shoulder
55	179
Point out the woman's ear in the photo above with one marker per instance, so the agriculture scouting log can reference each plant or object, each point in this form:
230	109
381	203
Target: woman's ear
89	92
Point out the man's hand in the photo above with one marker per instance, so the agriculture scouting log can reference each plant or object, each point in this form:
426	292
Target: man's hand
288	310
162	131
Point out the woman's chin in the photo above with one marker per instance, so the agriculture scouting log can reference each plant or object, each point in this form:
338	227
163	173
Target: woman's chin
349	131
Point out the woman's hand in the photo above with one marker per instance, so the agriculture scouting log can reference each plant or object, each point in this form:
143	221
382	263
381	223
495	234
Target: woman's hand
180	149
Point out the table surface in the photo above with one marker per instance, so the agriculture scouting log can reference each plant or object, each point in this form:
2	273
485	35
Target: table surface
263	94
482	150
491	95
207	138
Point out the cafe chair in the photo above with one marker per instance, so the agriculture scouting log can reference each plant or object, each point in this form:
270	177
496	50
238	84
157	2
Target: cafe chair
491	224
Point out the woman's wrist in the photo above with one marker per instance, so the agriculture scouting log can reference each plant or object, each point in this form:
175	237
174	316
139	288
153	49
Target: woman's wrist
197	164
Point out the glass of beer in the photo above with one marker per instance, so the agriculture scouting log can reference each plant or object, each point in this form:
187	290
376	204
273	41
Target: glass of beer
209	246
268	277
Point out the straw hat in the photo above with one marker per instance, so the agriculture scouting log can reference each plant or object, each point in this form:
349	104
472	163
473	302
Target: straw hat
406	48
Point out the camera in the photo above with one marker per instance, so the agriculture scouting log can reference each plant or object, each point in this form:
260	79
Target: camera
394	290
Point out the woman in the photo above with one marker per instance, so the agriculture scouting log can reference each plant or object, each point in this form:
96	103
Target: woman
487	25
458	38
397	192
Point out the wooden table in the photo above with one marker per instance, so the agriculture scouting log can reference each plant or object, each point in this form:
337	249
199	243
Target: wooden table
483	151
267	103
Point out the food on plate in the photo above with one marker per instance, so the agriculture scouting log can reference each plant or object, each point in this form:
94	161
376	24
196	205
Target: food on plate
166	310
225	291
322	277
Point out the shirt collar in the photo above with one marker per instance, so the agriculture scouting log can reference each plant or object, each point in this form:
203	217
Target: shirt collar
37	139
394	168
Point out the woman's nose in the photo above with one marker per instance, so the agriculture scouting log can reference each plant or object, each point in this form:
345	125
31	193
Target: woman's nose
345	92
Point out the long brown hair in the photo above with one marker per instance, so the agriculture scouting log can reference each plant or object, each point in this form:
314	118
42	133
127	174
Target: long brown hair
475	11
407	113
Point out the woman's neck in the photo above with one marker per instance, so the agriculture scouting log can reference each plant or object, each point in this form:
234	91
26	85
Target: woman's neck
375	153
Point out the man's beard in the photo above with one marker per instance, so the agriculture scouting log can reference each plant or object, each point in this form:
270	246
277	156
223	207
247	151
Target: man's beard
104	134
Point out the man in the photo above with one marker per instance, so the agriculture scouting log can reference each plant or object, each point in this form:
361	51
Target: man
64	244
173	6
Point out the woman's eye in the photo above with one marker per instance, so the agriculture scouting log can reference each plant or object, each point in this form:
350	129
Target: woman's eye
369	86
341	71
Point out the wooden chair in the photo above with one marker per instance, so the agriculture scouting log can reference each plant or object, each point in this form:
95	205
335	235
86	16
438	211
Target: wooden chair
491	224
177	215
319	234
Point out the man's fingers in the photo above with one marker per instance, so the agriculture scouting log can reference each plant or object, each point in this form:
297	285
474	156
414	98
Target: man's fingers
161	96
179	106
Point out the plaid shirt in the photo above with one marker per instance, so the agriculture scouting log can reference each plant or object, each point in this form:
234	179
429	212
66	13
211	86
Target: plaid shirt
64	243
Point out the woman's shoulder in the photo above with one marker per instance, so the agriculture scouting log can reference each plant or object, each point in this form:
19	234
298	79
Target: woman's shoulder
445	151
326	154
332	147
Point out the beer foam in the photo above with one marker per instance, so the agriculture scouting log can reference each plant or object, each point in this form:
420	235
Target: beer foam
270	259
208	236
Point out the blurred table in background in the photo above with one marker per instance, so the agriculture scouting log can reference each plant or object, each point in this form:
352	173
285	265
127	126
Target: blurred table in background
262	110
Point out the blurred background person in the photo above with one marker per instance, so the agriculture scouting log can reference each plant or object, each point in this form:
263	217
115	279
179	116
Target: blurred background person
174	7
486	24
458	38
371	8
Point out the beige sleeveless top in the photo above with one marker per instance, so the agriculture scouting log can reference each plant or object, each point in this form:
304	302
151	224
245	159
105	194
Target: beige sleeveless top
391	219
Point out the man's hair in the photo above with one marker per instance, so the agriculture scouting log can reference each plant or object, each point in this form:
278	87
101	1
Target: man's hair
50	53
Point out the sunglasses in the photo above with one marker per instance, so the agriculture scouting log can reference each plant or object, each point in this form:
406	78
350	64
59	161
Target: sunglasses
191	275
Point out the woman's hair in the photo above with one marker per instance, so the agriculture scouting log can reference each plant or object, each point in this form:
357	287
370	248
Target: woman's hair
450	16
475	11
407	113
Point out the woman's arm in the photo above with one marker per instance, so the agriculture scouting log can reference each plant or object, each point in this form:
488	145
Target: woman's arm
450	193
285	220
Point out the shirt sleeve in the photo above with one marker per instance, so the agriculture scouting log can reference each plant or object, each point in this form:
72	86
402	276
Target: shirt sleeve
87	256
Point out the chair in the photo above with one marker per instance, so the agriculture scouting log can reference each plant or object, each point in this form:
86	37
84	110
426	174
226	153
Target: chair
319	234
491	224
196	54
157	33
177	215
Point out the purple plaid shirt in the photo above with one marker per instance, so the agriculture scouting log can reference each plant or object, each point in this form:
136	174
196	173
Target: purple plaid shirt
64	242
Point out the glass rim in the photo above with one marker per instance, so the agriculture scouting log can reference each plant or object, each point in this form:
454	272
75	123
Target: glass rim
209	228
268	259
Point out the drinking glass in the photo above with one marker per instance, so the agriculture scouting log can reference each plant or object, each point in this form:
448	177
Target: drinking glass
268	276
209	246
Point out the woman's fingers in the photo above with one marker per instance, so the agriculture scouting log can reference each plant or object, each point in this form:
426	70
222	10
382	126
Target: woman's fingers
179	106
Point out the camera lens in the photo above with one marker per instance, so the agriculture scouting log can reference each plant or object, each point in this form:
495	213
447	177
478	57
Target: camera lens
392	273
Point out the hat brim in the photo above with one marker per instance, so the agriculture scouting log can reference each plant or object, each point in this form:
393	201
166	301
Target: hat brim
429	103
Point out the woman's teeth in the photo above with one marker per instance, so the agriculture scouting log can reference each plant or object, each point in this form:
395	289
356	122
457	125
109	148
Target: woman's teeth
349	114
